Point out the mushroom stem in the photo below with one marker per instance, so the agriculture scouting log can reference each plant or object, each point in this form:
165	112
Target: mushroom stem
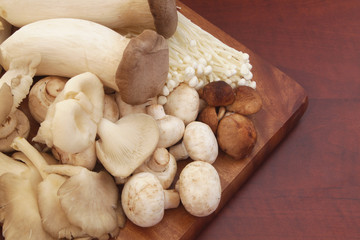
133	15
21	144
179	151
172	199
159	160
65	170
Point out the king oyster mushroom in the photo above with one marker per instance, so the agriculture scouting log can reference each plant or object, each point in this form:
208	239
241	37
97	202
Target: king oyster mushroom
132	15
135	67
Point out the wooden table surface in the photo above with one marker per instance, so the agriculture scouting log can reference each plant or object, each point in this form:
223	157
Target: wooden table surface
309	187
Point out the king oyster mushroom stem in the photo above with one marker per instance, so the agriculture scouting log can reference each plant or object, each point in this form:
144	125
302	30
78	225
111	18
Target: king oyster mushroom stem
199	143
119	14
144	199
126	144
136	67
71	121
42	95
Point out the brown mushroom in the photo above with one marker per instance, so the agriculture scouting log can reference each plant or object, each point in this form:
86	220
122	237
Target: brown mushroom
140	63
247	101
236	135
211	116
218	93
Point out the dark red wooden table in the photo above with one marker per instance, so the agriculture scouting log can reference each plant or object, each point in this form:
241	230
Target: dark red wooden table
309	187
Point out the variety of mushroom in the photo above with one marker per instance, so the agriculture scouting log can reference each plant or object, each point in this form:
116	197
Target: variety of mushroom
115	109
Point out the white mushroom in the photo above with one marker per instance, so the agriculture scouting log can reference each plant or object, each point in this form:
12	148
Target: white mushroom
136	67
199	143
42	94
162	164
71	121
126	109
144	199
118	14
111	109
199	188
171	128
183	102
124	145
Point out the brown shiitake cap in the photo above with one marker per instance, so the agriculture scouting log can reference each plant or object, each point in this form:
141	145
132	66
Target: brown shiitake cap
165	16
247	101
218	93
236	135
6	102
143	69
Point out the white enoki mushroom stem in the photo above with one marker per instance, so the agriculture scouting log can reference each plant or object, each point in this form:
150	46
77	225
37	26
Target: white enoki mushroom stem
197	58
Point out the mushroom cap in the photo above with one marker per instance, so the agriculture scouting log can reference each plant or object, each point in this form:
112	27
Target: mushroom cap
165	16
42	94
143	199
22	129
143	69
247	101
236	135
218	93
199	188
183	102
123	146
89	200
200	142
6	100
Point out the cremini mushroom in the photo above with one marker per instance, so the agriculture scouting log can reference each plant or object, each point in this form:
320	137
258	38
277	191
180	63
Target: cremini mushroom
236	135
42	94
247	101
144	200
199	187
183	102
218	93
171	128
136	67
162	164
124	145
71	121
199	143
132	15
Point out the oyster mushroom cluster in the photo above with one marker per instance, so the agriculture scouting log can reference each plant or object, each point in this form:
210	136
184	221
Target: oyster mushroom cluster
226	111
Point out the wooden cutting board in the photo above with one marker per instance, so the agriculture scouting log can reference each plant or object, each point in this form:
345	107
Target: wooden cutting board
284	103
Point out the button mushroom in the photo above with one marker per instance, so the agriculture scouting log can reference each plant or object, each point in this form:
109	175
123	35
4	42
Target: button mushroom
199	188
199	143
162	164
42	94
171	128
136	67
124	145
183	102
144	199
236	135
131	15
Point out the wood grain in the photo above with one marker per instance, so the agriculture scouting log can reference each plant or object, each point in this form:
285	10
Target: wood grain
285	101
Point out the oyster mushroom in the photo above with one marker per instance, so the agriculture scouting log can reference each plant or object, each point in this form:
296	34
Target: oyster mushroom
199	188
124	145
144	200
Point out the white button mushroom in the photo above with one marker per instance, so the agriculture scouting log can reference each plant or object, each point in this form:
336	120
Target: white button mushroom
183	102
171	128
144	199
199	188
199	143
